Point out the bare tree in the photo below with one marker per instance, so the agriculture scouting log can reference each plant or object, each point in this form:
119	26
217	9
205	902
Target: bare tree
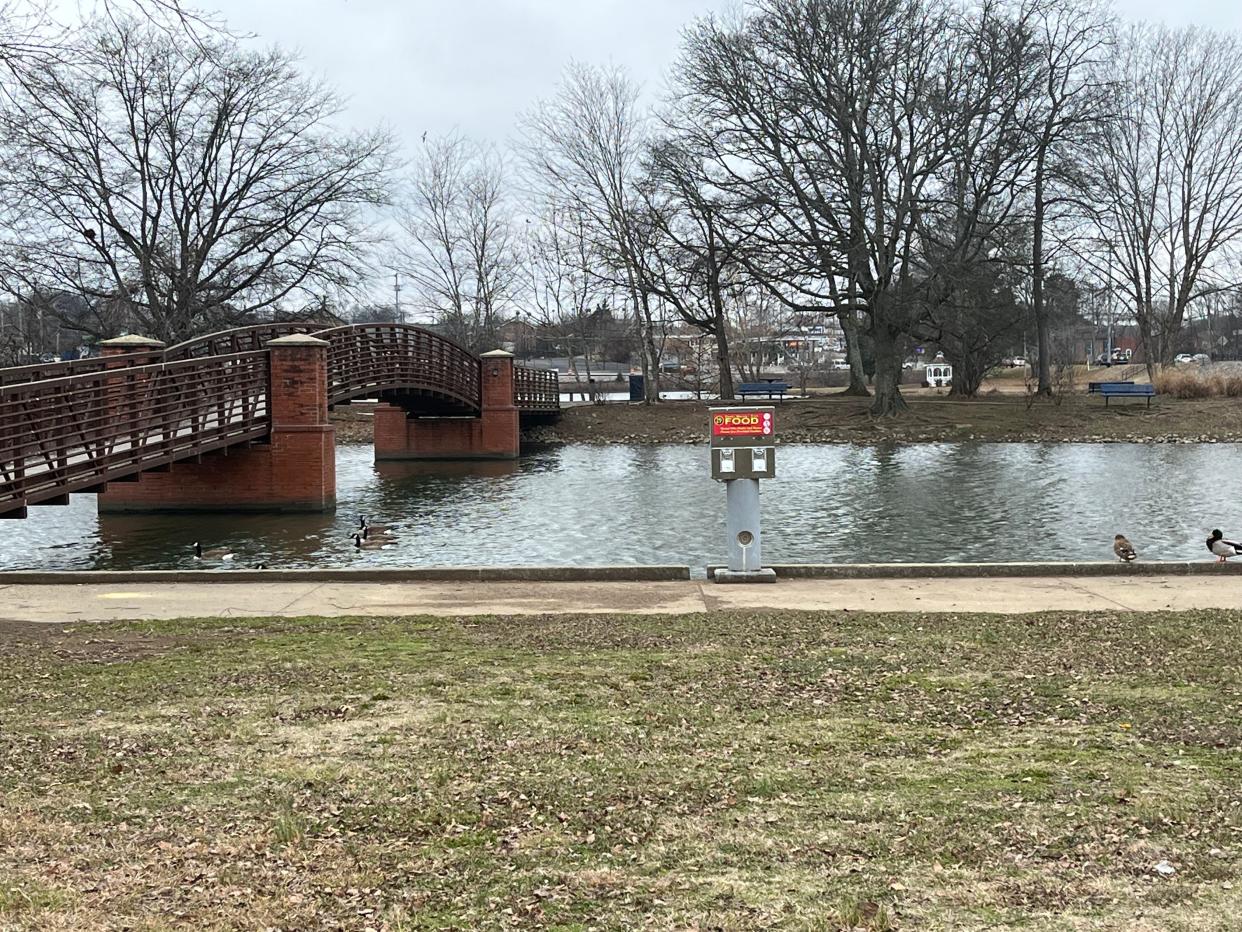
731	102
692	258
460	249
839	119
197	184
1169	169
583	150
755	314
1072	37
563	287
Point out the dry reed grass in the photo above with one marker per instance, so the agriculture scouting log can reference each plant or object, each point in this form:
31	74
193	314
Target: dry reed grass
1189	384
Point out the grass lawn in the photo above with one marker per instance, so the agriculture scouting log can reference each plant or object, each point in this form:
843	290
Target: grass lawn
801	771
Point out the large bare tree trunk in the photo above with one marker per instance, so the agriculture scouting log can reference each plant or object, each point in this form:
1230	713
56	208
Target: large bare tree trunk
722	362
651	355
1037	284
853	354
888	401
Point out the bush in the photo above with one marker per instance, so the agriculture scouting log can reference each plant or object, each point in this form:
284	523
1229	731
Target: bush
1181	384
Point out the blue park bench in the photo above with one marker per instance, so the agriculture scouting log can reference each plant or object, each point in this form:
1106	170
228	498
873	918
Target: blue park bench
1125	390
1093	388
763	388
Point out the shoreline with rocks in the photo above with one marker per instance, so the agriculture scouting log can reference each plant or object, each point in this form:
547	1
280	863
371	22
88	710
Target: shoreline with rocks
838	420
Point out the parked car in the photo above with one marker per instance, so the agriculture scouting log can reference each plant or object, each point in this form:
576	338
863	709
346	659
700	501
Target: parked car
1201	358
1183	358
1013	362
840	364
1104	360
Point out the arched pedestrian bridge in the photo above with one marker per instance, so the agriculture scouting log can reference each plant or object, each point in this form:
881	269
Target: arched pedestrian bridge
244	415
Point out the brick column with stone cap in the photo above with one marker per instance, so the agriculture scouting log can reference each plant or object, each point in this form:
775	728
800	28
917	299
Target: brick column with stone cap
294	471
494	434
132	344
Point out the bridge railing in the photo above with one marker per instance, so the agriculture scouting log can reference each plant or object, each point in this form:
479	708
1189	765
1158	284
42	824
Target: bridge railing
536	389
74	433
370	358
38	372
238	340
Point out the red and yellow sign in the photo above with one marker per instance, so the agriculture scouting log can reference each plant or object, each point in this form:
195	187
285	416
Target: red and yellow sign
742	424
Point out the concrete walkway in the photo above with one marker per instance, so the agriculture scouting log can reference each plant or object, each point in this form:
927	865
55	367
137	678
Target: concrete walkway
222	599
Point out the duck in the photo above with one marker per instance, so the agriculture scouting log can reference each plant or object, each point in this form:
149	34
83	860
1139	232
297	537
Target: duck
370	530
1223	549
370	533
1124	549
215	553
362	543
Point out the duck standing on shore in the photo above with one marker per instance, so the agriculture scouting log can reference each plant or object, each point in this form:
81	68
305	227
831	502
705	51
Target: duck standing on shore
1124	549
1224	549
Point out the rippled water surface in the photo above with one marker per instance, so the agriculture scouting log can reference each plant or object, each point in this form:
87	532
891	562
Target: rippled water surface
582	505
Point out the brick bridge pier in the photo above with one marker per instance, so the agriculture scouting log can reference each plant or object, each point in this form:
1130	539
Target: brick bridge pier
294	471
494	434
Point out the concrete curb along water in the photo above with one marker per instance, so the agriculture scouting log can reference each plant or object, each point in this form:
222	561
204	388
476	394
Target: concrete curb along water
580	574
573	574
988	570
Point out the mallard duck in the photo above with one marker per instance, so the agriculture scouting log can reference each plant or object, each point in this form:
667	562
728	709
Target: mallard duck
1224	549
1124	549
362	543
215	553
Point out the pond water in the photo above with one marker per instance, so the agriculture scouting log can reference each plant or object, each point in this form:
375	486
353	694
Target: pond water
583	505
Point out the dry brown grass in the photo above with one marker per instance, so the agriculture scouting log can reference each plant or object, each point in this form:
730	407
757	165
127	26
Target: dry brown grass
1182	383
886	773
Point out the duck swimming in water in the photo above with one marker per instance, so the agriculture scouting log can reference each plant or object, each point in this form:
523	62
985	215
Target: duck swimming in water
215	553
370	531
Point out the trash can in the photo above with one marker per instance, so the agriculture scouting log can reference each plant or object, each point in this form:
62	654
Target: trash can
637	392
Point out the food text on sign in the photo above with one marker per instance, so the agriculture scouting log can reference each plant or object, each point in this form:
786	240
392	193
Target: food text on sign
742	424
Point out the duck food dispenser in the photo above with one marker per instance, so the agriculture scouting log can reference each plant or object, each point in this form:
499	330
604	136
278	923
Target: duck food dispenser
742	454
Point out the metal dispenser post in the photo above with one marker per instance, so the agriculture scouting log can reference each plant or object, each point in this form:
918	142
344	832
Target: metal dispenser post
742	454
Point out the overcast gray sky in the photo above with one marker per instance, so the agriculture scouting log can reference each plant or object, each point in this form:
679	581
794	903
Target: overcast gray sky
475	64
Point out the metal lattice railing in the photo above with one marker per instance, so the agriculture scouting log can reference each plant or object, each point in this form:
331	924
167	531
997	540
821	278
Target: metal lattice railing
365	359
536	389
78	432
39	372
239	340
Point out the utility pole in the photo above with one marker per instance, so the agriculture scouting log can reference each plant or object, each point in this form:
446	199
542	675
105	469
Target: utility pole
396	296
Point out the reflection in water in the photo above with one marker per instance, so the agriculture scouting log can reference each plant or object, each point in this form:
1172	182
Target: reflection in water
654	504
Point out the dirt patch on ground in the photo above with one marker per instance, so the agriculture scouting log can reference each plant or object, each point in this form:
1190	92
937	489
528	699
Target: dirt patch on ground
931	418
79	644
